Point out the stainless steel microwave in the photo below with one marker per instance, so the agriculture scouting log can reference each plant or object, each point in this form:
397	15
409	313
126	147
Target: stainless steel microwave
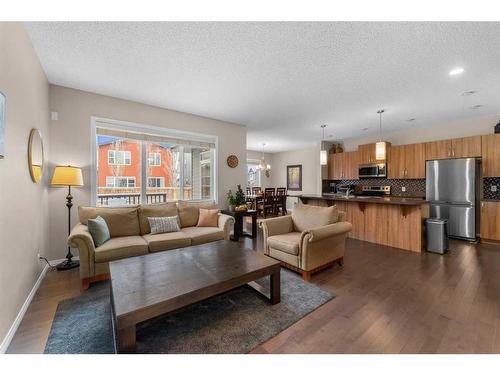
372	170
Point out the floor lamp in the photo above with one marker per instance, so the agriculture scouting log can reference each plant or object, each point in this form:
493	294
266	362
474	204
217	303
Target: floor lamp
67	175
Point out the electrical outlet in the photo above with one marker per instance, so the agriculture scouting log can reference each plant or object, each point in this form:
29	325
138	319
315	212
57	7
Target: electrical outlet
493	188
403	188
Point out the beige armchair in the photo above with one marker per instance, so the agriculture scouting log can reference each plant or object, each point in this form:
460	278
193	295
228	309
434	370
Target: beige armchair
311	239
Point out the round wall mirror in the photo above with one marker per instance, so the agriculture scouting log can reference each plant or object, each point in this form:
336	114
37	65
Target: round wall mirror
35	155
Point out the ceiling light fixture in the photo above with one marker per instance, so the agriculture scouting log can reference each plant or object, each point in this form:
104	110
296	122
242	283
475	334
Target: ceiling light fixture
411	119
323	157
380	146
468	93
262	165
456	71
477	106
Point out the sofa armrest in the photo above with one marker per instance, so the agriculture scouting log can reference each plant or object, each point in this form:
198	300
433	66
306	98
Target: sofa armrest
81	239
331	230
224	223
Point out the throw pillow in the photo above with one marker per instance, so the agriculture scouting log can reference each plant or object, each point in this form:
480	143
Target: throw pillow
98	229
165	224
208	218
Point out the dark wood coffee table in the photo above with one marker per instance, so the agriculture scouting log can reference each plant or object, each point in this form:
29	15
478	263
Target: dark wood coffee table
148	286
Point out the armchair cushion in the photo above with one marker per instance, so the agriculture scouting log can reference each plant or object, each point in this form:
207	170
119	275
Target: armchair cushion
288	242
121	247
307	217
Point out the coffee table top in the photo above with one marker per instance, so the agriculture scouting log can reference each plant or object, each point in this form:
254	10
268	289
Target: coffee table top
141	283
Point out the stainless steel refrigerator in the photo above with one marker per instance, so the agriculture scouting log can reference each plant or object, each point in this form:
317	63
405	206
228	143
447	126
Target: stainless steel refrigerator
452	190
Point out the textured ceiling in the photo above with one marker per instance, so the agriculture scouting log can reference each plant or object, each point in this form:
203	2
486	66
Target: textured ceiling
282	80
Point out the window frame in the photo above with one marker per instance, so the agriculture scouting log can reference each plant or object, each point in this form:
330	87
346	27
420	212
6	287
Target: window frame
105	123
129	178
125	152
162	179
159	158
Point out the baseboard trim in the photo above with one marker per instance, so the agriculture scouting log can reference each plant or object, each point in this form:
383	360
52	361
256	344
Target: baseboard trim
15	325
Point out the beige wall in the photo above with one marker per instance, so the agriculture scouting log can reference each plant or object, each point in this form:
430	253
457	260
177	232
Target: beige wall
264	180
414	134
311	170
70	140
23	204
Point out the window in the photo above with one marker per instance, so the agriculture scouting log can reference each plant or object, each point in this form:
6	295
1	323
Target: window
253	175
119	157
141	165
156	182
120	182
154	159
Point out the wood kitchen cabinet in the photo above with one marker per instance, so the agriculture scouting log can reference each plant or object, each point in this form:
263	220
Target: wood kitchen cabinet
407	161
367	154
490	221
467	147
343	166
491	155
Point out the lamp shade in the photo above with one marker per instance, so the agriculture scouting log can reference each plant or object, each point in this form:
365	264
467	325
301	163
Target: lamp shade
67	175
380	150
323	157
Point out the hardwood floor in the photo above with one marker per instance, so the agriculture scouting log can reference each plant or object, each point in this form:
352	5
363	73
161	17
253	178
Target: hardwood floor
388	301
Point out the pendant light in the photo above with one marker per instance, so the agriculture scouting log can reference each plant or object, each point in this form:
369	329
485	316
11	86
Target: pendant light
380	146
262	165
323	157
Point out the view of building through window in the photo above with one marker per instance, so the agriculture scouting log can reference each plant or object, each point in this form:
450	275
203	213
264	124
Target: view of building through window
120	171
253	175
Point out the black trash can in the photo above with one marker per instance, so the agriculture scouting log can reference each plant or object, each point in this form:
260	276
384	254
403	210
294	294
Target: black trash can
436	235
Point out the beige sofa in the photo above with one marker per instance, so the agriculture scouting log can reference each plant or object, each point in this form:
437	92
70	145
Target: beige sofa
309	240
131	235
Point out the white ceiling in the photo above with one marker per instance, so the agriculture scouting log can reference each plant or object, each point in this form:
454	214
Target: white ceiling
282	80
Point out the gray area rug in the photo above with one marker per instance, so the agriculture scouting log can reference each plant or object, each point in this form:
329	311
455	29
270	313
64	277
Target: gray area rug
233	322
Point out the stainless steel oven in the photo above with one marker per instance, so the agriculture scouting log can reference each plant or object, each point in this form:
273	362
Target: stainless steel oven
372	170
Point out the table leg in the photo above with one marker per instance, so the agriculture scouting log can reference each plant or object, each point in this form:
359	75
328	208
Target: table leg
254	226
275	288
126	339
238	227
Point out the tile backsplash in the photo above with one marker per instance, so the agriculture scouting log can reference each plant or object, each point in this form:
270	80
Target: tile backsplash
413	187
488	183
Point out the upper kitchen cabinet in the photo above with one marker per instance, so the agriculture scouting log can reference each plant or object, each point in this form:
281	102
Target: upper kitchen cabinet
491	155
407	161
438	150
343	166
367	153
467	147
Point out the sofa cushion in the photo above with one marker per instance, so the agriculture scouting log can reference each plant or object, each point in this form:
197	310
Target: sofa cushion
208	218
201	235
121	247
164	224
308	217
189	212
288	242
167	241
155	210
122	221
99	231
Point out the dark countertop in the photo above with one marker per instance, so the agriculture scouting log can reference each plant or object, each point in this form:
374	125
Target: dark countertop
381	200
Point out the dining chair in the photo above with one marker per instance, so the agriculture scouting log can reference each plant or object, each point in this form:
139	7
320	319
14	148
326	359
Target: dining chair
280	201
256	190
266	204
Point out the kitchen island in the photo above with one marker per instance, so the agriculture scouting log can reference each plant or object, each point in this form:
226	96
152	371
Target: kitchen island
389	220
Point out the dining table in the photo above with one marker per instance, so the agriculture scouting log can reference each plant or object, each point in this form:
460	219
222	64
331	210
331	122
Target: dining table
255	199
